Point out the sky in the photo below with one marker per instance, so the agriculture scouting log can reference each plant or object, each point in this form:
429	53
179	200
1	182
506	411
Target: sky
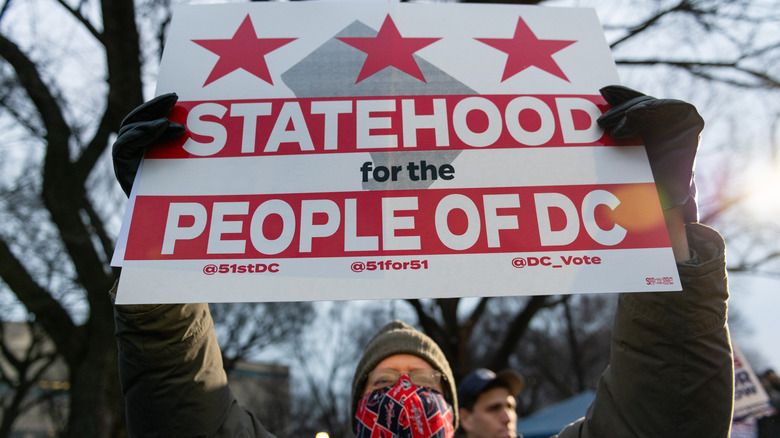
756	301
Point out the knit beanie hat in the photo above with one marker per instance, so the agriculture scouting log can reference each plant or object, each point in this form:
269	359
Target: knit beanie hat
398	337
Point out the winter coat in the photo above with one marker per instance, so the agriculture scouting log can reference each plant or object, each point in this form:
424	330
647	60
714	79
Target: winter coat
670	372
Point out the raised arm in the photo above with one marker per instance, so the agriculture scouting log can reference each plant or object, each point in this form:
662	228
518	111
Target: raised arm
171	373
671	369
170	364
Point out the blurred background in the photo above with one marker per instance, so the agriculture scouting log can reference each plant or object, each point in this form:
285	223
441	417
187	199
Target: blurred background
72	69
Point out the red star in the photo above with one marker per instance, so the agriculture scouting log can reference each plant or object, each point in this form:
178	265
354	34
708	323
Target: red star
245	50
387	49
525	50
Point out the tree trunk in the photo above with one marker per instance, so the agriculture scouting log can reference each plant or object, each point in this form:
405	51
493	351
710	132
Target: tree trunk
96	403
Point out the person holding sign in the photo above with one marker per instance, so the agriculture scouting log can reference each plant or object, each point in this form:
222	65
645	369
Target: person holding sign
670	372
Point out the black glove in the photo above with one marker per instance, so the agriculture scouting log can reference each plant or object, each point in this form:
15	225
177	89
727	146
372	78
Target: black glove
142	127
670	130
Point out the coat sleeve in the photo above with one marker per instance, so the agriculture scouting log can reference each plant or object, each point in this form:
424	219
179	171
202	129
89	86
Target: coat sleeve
171	373
671	369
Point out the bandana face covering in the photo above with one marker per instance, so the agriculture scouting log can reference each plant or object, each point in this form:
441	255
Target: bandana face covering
404	411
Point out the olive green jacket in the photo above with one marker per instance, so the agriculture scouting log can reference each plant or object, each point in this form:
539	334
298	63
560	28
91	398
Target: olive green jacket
670	372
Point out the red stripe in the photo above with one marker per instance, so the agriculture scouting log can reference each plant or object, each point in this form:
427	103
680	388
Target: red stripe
347	125
639	213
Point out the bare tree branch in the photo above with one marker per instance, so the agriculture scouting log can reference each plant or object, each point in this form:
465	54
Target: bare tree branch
4	8
698	68
46	104
746	266
649	22
82	19
39	301
120	37
516	329
99	230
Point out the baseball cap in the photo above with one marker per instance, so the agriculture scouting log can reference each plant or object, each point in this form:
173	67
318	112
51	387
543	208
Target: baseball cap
481	380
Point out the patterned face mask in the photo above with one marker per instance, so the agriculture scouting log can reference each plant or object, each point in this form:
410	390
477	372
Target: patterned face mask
404	411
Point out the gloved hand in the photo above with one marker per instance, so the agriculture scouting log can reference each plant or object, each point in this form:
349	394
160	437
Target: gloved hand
142	127
670	130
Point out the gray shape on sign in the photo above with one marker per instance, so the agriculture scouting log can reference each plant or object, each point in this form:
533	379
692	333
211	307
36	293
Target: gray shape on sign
331	71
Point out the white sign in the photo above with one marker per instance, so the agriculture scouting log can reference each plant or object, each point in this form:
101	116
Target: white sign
360	151
750	398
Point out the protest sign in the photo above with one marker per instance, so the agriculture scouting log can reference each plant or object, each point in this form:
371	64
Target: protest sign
362	151
750	398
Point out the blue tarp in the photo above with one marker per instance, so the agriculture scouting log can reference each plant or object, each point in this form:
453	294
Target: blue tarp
553	418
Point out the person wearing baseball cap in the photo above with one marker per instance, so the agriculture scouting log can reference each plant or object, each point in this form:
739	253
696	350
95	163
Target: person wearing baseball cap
487	403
